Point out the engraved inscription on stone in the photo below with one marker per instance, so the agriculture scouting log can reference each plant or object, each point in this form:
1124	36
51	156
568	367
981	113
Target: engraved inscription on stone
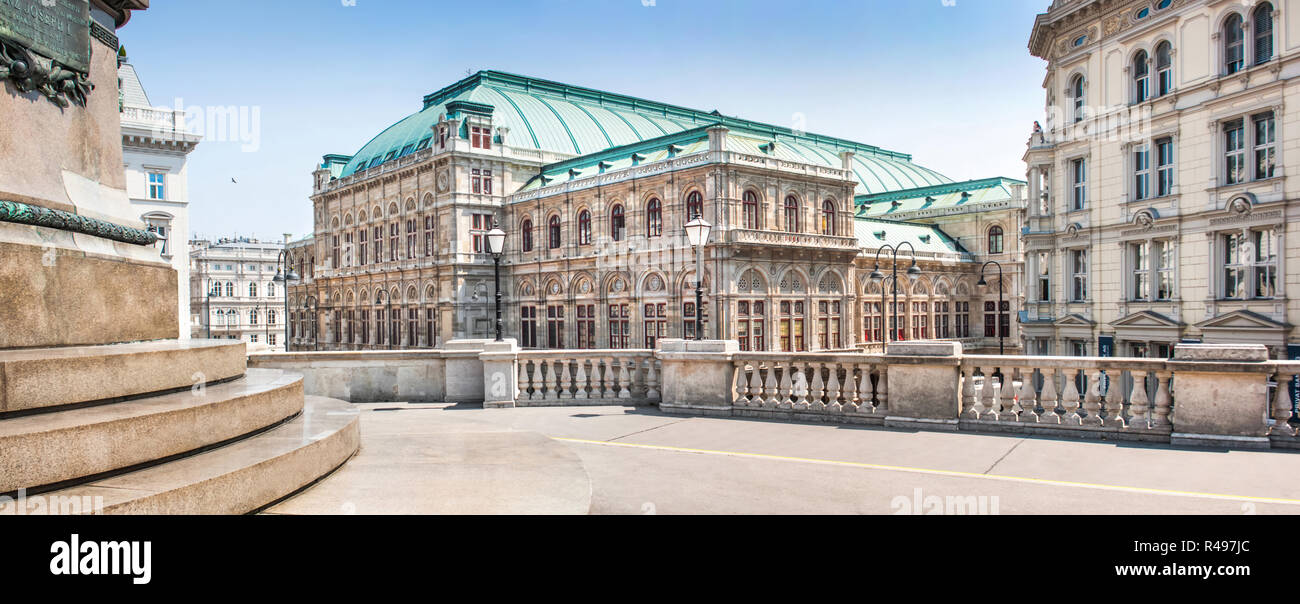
56	29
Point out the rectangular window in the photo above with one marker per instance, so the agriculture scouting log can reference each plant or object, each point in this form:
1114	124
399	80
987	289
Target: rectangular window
1079	270
1141	172
157	185
751	326
920	320
791	325
587	326
963	319
1265	145
361	243
871	326
656	323
365	327
620	331
480	137
476	180
411	237
1079	173
1164	262
1164	167
428	235
379	244
555	327
430	328
1234	160
1044	277
394	235
828	325
990	319
1140	265
942	328
1264	264
528	318
480	225
412	327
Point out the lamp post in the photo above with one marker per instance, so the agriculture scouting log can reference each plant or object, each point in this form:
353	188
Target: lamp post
283	276
877	277
697	232
389	316
496	240
1002	348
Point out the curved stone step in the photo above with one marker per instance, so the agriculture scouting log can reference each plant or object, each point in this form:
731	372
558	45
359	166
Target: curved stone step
237	478
51	448
39	378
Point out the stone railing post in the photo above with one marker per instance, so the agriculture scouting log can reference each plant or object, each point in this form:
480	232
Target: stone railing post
1221	397
500	376
698	376
465	370
924	384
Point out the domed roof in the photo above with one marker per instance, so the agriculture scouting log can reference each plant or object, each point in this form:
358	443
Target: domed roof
577	121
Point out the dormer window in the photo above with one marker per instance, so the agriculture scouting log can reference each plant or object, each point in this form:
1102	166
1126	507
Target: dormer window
480	137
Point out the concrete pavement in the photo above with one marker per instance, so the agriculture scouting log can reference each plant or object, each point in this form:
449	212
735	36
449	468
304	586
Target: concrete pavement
639	461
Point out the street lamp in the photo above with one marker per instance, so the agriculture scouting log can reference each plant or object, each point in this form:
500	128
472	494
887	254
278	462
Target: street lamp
1002	348
697	232
913	274
496	240
284	276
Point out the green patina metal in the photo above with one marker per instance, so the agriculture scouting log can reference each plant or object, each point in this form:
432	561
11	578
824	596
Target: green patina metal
22	213
568	119
948	195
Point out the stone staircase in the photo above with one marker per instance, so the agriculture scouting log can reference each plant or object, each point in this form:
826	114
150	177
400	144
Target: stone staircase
164	427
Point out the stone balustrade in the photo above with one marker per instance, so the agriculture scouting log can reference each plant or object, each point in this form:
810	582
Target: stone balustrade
1222	396
587	377
850	386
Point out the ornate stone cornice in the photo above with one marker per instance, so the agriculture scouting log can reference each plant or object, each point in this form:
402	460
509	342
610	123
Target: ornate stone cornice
21	213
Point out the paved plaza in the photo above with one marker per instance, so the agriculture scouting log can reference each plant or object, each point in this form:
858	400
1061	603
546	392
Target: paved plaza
417	459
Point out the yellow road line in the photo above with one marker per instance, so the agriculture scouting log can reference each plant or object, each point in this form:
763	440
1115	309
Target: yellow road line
953	473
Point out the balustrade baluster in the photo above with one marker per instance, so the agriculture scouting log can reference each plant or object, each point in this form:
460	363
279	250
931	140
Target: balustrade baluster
758	397
988	395
1047	399
851	390
800	378
833	388
581	379
1028	397
1113	402
1007	393
625	381
817	392
740	396
1070	399
787	387
539	388
553	380
1160	418
969	402
1139	402
523	383
1092	400
771	389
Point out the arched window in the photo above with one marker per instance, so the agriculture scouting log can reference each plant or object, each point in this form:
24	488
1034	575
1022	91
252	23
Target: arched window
554	232
1077	94
995	240
750	205
1263	21
270	290
230	289
1234	45
828	217
694	206
617	223
1164	69
584	228
527	229
252	317
252	290
654	218
1141	77
791	214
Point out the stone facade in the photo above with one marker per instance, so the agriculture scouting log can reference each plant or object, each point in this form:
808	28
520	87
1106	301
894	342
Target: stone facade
597	255
233	293
1162	203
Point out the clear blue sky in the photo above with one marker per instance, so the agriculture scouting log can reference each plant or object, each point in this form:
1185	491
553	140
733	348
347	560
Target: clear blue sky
950	82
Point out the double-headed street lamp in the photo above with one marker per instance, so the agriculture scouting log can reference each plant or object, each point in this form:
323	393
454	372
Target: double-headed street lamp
697	232
1002	348
913	274
496	240
283	275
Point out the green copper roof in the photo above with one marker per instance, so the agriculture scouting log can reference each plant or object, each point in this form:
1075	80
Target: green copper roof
874	234
949	195
557	117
